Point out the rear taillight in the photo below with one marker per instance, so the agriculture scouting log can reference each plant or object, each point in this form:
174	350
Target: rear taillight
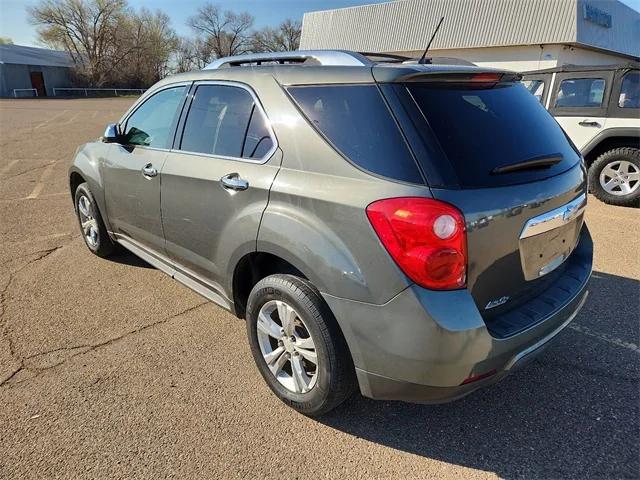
425	237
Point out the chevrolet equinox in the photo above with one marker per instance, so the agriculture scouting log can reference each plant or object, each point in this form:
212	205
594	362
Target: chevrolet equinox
414	230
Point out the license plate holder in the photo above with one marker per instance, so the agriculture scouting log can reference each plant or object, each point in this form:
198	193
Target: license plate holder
548	240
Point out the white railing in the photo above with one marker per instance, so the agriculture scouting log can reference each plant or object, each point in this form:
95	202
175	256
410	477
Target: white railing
16	90
86	91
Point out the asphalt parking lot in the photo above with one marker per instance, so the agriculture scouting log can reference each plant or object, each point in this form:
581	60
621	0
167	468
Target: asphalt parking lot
110	369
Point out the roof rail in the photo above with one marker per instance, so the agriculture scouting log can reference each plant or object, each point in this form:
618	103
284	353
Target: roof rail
313	57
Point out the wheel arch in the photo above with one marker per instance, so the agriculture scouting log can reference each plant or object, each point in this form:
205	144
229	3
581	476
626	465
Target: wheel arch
75	180
608	140
253	267
85	168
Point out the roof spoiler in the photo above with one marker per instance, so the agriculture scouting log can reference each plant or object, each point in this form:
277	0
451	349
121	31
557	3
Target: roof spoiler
444	74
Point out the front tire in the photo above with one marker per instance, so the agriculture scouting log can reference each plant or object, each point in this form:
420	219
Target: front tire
614	177
297	345
94	233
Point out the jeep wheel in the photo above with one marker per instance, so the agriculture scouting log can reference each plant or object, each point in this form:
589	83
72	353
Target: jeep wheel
615	177
297	345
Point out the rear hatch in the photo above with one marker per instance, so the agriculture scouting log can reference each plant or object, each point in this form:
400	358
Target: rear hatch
489	148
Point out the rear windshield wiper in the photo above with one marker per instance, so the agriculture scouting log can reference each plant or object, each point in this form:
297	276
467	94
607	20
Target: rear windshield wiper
531	164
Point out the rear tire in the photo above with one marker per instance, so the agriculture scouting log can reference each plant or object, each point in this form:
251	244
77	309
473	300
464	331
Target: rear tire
325	384
607	177
94	233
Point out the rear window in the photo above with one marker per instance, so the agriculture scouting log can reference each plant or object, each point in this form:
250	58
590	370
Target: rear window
482	129
536	87
630	91
357	122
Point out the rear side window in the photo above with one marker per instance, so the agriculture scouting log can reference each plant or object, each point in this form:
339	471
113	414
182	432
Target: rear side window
536	87
223	120
581	92
258	142
483	129
630	91
356	121
152	124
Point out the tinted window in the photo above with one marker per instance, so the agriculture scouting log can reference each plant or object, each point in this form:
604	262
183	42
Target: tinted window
257	142
358	123
630	91
218	120
536	87
480	130
581	92
152	123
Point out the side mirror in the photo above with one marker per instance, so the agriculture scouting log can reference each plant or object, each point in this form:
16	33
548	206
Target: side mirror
111	133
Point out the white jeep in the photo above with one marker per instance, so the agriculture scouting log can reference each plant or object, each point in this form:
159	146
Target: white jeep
599	109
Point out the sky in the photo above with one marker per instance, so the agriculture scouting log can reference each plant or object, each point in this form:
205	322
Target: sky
14	23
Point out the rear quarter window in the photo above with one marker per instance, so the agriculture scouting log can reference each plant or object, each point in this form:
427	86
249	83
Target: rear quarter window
355	120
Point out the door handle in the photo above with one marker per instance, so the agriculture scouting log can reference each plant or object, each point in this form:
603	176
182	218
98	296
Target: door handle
232	181
588	123
148	171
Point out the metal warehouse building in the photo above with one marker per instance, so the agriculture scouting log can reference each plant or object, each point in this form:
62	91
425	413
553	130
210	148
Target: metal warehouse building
518	35
26	70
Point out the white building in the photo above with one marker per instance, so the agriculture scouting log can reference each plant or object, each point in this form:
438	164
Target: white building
519	35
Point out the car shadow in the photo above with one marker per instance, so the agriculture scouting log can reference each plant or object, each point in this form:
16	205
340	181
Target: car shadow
125	257
572	413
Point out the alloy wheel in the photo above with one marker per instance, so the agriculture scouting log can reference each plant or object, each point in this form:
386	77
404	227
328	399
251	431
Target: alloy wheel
620	177
87	221
287	346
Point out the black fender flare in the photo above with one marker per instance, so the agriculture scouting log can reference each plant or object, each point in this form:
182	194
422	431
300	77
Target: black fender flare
609	133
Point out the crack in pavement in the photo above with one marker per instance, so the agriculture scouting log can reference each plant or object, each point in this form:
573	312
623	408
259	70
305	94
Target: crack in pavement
4	328
46	252
86	348
29	170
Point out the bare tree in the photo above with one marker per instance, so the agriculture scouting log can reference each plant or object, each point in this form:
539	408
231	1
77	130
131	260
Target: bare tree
109	43
226	33
192	54
87	29
152	43
285	38
185	56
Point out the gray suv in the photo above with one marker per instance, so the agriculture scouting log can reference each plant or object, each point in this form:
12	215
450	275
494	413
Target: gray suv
412	229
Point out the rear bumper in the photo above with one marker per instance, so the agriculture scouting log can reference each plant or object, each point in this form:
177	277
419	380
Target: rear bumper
422	345
379	387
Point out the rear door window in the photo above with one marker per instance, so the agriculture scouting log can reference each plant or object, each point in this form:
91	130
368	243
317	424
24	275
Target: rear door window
356	121
224	121
482	129
580	92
